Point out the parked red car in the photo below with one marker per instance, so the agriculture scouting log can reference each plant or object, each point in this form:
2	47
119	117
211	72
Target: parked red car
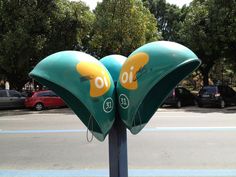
40	100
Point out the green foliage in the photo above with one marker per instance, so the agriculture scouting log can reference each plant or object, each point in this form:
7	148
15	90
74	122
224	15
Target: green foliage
33	29
71	25
24	25
223	72
121	26
168	16
222	15
206	26
209	30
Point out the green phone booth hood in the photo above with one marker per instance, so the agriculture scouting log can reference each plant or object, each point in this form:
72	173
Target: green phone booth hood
84	84
144	79
147	77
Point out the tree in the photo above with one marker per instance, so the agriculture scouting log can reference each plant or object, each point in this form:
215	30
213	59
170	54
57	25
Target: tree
223	71
121	26
223	16
33	29
209	30
24	25
75	20
1	32
168	16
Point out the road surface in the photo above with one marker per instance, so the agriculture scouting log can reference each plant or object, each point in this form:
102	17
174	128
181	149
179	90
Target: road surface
176	142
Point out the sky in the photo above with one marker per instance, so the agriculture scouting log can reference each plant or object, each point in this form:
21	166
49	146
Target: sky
92	3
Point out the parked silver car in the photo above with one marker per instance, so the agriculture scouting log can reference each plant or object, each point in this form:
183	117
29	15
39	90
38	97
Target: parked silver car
11	99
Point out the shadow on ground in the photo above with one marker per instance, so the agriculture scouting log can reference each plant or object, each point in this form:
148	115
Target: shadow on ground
66	111
14	112
230	109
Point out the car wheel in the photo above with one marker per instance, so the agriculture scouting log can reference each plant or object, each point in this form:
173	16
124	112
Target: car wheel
222	104
38	107
178	104
200	105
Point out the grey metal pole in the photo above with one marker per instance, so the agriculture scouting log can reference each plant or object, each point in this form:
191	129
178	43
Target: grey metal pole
118	161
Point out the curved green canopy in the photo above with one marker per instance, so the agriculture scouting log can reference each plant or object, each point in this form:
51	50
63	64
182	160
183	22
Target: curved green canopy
84	84
147	77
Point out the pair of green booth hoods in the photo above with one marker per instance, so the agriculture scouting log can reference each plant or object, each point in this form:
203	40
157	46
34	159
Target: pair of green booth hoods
116	87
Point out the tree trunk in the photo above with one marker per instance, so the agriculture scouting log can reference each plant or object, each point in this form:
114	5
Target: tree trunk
205	78
205	73
16	83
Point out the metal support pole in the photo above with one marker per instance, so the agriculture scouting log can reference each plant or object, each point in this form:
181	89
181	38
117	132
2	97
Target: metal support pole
118	161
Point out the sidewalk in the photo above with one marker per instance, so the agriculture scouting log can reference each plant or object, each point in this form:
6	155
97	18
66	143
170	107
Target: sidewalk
15	112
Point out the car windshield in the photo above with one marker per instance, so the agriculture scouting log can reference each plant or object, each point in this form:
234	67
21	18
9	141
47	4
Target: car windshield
14	93
208	90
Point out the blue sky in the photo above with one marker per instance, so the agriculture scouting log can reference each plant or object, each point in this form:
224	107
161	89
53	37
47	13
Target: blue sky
180	3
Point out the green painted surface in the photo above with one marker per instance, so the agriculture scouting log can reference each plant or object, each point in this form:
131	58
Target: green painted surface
71	75
161	66
113	63
142	82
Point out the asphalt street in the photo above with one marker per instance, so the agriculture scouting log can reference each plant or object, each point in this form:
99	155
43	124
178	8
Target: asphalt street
176	142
